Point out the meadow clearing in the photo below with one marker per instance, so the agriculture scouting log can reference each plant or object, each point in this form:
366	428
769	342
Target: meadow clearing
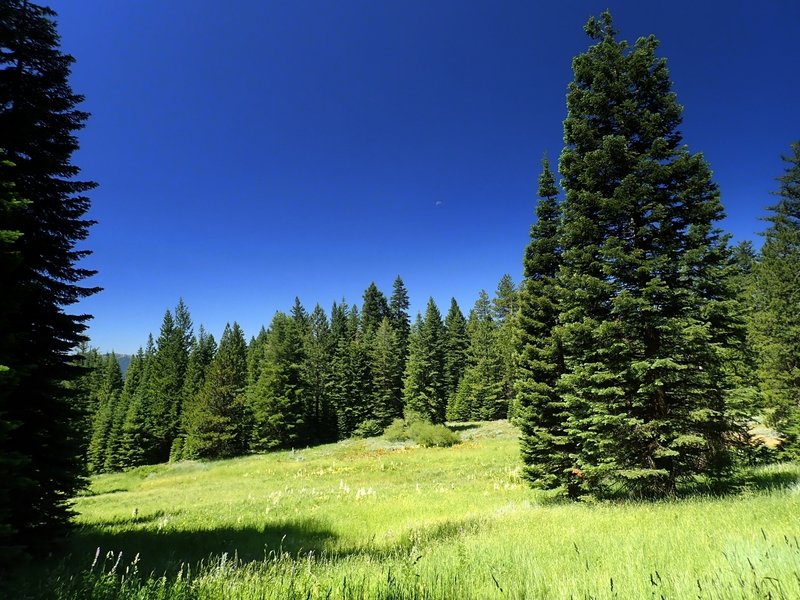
374	519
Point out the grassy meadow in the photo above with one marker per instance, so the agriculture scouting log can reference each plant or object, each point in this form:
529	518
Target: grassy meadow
373	519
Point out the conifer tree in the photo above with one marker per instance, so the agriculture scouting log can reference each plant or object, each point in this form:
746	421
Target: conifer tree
114	459
42	435
351	386
504	311
203	349
317	366
398	315
385	364
276	400
425	391
546	448
374	309
775	328
217	426
646	302
135	438
480	392
102	427
455	359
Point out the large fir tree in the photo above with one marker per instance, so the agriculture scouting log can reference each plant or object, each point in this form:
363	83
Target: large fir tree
776	320
645	300
217	424
546	448
425	390
43	210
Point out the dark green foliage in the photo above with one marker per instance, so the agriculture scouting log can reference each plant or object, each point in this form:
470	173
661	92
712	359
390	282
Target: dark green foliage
276	400
317	374
775	325
108	395
203	349
217	424
505	309
374	309
646	310
398	315
114	459
135	437
43	207
480	394
167	380
455	358
541	413
351	385
386	368
425	391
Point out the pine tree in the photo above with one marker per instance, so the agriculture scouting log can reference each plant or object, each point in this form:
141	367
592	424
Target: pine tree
103	422
166	381
775	328
425	392
135	436
398	315
42	435
203	349
374	309
320	414
646	303
455	359
217	426
480	393
276	400
546	448
505	306
114	459
385	364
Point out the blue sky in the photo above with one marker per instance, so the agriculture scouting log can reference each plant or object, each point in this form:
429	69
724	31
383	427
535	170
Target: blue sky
249	152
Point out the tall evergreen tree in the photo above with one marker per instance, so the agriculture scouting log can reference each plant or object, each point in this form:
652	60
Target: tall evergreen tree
135	438
42	434
480	392
317	367
203	349
217	426
115	459
646	303
455	358
547	450
425	391
775	326
505	306
277	398
374	309
398	315
103	422
385	365
166	381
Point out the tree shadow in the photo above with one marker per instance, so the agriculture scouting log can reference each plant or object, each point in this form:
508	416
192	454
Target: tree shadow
774	477
167	551
462	426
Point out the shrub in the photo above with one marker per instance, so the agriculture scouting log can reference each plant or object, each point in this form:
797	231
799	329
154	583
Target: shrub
367	428
429	435
397	431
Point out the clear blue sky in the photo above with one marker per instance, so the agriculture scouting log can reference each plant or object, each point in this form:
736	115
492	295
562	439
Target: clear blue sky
249	151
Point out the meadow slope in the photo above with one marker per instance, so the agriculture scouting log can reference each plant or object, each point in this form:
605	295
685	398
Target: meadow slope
371	519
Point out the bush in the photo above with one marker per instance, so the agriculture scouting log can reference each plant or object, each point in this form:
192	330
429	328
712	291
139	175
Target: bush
367	428
429	435
397	431
422	432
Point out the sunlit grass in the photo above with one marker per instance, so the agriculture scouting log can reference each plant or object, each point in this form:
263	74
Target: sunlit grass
372	519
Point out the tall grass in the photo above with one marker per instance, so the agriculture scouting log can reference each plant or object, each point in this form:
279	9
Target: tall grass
374	519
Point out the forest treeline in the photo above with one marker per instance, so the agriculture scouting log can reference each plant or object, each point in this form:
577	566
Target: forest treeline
307	378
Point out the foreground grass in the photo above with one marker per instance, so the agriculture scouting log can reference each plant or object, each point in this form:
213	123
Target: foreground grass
368	519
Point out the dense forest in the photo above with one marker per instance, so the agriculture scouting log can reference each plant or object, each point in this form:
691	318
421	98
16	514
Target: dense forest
640	352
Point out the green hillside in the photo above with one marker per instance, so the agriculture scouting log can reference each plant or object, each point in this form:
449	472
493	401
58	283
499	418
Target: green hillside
373	519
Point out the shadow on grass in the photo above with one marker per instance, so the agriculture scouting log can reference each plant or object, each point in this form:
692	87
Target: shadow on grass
772	477
462	426
166	551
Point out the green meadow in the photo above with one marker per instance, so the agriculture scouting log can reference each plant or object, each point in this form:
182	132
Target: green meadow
374	519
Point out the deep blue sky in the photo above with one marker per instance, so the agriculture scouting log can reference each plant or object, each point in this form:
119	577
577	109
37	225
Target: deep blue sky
250	151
